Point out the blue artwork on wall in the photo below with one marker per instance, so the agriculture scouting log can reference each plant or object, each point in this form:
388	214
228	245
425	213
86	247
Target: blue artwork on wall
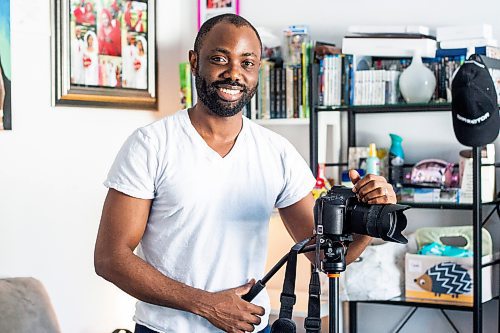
5	68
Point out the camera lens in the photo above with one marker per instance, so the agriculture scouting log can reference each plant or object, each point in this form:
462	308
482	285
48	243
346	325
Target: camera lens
380	221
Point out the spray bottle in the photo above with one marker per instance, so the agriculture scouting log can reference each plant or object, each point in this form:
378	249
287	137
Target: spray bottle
396	161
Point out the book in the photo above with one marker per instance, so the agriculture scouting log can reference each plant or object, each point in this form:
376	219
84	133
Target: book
289	91
464	32
489	51
393	29
185	85
390	47
465	43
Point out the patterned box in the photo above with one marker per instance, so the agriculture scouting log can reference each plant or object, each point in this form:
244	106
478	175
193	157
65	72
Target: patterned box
444	279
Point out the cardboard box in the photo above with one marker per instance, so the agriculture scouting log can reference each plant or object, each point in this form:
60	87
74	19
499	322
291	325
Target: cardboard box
487	175
444	279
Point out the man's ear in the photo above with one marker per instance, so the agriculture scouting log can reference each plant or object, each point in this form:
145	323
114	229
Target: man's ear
193	61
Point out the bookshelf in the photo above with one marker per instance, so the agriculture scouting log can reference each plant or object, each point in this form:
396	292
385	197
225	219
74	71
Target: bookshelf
476	207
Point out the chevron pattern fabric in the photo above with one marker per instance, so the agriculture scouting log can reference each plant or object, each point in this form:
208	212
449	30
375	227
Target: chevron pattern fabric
449	278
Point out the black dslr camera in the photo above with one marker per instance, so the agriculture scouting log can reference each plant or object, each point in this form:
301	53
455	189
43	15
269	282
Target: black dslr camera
339	213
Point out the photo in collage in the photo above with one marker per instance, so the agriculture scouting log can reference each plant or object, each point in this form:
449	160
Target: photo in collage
210	8
109	43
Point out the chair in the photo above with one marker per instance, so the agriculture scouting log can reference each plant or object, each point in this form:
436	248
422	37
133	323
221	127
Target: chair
25	307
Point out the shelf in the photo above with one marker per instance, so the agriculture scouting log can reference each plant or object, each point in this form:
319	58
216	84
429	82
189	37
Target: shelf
389	108
402	301
443	205
282	121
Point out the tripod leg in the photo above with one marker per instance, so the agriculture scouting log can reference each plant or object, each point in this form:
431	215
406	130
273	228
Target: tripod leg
353	316
334	308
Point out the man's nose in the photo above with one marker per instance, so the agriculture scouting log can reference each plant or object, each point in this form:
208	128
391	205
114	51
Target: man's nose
233	72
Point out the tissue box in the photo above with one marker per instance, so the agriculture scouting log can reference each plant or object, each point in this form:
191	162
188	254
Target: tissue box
444	279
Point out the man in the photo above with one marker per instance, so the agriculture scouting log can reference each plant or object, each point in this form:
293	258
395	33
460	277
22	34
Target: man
128	56
77	50
195	191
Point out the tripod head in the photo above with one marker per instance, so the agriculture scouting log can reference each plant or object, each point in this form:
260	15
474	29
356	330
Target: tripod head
335	251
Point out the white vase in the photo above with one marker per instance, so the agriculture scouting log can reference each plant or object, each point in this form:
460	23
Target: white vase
417	82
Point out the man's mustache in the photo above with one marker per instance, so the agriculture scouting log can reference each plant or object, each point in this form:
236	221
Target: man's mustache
230	83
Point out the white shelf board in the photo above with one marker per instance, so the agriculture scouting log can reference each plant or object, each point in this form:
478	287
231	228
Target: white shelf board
282	121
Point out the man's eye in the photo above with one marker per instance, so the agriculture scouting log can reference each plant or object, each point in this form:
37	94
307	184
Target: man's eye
248	64
218	59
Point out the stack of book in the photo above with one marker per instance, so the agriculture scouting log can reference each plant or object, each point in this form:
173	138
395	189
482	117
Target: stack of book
330	79
456	43
283	90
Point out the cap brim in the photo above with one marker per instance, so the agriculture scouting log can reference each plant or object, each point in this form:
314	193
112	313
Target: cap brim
476	135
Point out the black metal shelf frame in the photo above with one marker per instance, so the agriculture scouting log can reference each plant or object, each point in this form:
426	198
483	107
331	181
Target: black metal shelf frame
353	308
475	206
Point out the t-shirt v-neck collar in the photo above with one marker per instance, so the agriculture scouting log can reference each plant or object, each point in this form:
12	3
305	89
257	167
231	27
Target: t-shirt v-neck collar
210	152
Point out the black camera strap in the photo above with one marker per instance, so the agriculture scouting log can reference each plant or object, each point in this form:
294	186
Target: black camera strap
284	323
312	323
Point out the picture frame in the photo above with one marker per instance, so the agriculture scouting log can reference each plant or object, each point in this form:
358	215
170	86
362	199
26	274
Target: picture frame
104	53
5	67
210	8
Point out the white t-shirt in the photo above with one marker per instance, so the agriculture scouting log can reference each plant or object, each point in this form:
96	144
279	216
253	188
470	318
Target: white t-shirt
208	224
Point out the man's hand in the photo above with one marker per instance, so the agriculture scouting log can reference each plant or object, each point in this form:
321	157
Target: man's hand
227	311
372	189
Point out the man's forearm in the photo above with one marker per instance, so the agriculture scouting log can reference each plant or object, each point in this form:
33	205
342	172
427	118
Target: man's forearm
144	282
357	247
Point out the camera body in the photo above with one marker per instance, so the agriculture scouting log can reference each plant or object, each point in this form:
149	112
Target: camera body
339	213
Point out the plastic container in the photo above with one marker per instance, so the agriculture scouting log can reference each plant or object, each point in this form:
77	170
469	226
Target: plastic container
373	162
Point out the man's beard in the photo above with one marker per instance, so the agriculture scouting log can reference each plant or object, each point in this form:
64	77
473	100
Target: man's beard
208	96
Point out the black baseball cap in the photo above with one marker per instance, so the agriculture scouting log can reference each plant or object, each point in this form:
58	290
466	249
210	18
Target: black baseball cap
474	104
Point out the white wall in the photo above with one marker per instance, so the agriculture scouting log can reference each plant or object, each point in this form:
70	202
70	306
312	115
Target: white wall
53	163
52	166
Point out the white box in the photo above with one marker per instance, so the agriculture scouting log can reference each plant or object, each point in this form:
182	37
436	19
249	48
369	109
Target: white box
390	47
464	32
466	43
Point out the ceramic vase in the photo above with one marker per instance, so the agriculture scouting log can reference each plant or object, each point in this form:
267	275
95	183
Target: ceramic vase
417	82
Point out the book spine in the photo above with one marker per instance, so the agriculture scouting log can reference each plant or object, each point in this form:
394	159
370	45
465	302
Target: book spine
321	77
442	78
272	80
296	92
282	93
338	79
289	91
351	81
299	93
253	106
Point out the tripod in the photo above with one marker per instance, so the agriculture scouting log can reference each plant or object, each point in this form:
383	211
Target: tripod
333	263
